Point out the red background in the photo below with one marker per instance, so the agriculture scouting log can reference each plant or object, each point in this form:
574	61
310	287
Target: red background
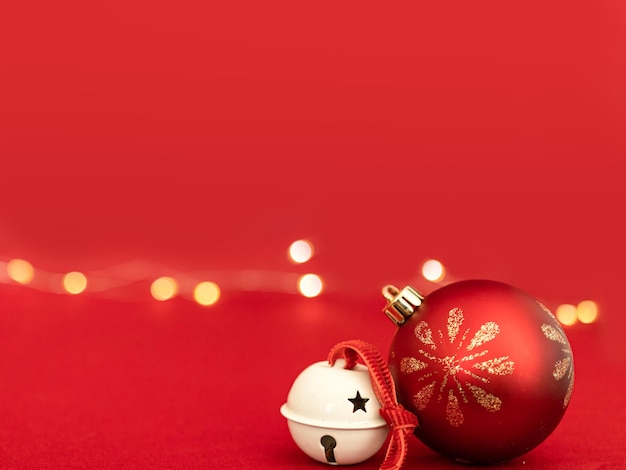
209	136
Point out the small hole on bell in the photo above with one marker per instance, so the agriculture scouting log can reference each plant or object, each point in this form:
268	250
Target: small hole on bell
329	443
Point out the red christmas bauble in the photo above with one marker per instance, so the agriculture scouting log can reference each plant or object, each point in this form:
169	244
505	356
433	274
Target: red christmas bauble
486	368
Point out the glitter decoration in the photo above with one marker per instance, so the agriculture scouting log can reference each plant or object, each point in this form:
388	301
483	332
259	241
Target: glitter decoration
487	332
497	366
424	334
546	309
471	357
553	334
453	410
486	400
410	364
423	396
455	319
563	367
454	372
570	389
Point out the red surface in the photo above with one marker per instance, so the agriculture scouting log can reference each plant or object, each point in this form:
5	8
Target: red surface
102	384
209	136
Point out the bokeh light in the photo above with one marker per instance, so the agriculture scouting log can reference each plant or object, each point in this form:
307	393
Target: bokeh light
74	282
587	311
301	251
164	288
566	314
310	285
20	271
206	293
433	270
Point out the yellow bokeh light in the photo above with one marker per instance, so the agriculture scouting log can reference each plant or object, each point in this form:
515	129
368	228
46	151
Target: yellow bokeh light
301	251
206	293
310	285
74	282
566	314
587	311
20	270
164	288
433	270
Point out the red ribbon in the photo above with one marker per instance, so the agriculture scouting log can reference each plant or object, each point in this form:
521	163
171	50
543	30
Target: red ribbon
401	421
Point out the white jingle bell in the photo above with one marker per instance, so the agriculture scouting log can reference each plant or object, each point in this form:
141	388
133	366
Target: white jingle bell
333	414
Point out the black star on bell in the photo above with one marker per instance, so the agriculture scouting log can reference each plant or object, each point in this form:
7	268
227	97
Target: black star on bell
359	402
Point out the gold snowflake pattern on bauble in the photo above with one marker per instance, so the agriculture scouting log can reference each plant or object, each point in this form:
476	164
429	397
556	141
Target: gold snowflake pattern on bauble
456	377
563	368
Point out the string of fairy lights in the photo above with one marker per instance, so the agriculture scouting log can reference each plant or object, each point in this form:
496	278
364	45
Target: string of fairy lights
200	287
205	291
